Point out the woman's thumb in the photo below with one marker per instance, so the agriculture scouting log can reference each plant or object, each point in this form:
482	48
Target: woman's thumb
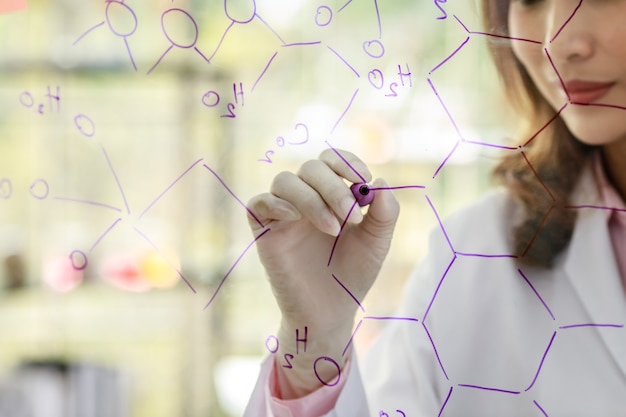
383	211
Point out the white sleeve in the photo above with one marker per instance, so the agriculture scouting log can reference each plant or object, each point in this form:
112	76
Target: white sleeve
400	374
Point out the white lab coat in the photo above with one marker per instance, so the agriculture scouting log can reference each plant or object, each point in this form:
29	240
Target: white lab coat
494	339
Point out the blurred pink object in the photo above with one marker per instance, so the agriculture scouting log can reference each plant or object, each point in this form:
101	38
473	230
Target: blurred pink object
60	275
8	6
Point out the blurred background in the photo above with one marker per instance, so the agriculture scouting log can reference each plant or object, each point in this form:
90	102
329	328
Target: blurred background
131	135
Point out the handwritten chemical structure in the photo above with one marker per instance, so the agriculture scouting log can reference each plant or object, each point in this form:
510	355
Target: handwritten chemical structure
399	413
438	4
212	99
377	79
173	43
40	190
299	137
53	101
365	74
111	6
245	15
558	328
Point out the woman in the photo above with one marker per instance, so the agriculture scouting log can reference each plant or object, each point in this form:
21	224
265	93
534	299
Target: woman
533	324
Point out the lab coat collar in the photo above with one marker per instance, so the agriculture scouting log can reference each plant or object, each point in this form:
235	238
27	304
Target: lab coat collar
590	264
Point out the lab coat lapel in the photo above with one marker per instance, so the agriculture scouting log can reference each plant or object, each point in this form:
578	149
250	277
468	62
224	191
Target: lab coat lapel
591	267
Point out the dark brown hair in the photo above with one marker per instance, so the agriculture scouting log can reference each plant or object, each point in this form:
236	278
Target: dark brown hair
542	175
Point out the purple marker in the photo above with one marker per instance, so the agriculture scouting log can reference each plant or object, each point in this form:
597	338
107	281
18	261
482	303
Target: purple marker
363	193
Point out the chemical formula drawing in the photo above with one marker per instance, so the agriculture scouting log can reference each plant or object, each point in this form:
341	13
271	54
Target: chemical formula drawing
130	166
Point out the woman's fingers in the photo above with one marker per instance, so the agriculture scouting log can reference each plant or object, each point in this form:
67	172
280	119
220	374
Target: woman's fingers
332	188
383	212
327	175
346	165
290	187
267	207
318	192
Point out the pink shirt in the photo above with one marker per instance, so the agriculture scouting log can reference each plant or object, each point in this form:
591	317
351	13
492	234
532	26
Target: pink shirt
317	403
323	400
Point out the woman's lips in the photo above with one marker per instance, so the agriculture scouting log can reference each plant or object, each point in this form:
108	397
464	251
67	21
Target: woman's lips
586	91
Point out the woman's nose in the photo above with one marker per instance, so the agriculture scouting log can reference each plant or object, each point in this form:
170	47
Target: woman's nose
569	34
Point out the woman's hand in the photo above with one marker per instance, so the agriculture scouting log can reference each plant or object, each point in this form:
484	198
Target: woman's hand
307	251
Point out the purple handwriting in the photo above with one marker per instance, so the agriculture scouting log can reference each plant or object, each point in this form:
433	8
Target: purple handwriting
463	141
345	111
332	362
272	344
239	14
444	14
38	189
301	137
374	48
124	34
236	15
385	414
354	205
27	100
85	125
212	99
324	16
245	17
173	43
79	260
229	107
377	80
535	292
6	188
